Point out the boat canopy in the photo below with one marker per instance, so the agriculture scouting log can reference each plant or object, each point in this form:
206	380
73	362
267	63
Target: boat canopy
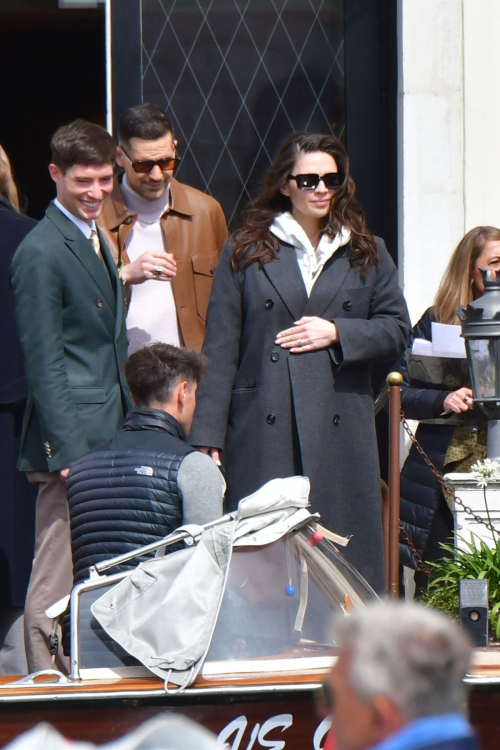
254	592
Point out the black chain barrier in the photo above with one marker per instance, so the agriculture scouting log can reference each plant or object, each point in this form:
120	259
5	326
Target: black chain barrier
446	487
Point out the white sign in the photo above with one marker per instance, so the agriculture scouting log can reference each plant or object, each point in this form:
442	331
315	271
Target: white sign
232	735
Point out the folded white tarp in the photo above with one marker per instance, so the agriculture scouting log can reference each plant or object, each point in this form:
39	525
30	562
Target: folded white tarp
165	612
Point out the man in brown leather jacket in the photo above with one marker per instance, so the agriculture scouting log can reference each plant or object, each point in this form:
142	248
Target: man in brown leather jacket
166	237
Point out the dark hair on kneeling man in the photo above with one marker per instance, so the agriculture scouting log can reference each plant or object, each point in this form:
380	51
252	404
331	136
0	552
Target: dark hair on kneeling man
82	142
153	372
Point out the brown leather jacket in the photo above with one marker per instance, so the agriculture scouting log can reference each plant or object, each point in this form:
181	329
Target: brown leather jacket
194	230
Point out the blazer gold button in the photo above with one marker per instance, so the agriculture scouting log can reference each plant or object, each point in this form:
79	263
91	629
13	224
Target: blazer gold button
347	305
274	357
269	304
128	220
336	420
270	419
99	303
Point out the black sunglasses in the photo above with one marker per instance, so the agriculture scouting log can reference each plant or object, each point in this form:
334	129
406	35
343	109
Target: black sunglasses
331	180
144	167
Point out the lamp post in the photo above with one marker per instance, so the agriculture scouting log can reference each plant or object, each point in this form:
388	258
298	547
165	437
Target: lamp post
481	331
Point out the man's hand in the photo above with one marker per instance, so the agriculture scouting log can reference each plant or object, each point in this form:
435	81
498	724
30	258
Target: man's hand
308	335
63	474
153	265
214	453
459	401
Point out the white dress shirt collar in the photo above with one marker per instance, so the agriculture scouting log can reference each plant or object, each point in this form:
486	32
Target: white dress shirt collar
82	225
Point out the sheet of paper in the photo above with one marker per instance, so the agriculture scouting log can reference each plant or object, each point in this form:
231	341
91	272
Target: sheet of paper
447	342
422	347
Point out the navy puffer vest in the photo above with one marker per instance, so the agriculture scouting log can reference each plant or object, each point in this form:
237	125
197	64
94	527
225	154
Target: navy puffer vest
125	495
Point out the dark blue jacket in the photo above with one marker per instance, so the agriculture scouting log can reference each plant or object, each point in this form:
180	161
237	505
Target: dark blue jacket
124	494
420	490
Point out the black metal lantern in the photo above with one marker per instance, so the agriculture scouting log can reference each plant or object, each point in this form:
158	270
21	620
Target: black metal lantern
481	331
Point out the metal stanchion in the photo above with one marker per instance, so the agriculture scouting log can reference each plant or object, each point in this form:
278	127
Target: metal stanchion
385	527
394	380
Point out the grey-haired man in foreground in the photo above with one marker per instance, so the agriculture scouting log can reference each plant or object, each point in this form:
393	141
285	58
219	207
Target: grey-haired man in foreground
398	681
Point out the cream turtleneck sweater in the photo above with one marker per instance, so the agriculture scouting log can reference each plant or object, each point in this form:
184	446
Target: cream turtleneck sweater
151	315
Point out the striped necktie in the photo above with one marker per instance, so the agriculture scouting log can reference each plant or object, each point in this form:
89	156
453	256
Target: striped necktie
94	241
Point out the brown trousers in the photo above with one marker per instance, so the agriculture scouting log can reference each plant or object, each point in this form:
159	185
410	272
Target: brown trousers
52	572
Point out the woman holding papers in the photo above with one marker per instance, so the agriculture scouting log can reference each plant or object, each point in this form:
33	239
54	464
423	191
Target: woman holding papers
451	444
304	299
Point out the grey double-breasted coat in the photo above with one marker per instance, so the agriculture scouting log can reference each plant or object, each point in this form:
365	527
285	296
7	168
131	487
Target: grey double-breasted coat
276	414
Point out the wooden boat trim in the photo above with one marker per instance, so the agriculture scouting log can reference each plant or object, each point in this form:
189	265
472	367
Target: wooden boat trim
153	687
75	694
485	671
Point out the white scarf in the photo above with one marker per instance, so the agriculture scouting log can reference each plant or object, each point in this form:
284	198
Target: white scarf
310	260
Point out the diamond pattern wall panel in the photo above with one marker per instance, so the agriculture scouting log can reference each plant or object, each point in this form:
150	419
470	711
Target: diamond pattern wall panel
237	77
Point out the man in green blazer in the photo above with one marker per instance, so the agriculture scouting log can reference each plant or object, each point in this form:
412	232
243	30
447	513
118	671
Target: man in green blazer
71	317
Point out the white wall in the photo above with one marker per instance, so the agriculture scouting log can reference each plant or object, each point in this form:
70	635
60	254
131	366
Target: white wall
449	134
431	142
482	112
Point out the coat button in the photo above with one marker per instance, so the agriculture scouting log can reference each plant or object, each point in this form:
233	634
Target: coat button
336	420
270	419
269	304
99	303
212	271
347	305
274	356
128	220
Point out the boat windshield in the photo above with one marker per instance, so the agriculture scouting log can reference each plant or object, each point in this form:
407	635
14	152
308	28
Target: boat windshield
279	603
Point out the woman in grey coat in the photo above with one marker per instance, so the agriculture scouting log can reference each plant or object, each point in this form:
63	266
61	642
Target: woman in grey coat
304	298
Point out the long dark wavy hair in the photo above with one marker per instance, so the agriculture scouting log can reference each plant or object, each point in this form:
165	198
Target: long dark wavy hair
253	242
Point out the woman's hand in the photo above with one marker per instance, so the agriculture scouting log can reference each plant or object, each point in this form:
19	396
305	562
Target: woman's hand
307	335
214	453
459	401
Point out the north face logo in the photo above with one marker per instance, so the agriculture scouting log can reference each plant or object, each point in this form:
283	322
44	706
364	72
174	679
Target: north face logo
144	471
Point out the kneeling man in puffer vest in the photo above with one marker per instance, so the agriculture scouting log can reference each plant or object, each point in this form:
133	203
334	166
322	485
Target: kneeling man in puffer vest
147	481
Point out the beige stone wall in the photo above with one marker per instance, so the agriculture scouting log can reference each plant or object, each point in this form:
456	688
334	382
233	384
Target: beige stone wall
449	134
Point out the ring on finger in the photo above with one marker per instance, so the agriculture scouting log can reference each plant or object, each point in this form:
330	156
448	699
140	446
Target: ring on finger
157	270
300	343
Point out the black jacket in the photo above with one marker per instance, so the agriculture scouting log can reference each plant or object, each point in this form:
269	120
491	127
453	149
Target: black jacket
17	531
124	494
421	492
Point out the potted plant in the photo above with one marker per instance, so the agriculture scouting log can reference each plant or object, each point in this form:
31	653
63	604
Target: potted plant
471	560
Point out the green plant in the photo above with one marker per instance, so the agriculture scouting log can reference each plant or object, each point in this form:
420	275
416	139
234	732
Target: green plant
444	598
473	560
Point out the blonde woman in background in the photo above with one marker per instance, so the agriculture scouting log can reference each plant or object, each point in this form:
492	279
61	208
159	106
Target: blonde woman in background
452	445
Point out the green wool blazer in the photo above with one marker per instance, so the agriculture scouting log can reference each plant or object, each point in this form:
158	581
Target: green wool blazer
70	311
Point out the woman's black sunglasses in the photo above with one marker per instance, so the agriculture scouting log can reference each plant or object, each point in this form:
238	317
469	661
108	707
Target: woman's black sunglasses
331	180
